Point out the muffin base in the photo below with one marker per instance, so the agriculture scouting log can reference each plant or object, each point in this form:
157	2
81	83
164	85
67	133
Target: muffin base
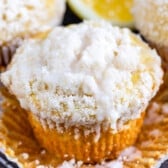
84	148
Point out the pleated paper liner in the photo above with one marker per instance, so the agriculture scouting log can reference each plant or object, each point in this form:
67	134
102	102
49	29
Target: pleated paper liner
7	50
163	52
18	142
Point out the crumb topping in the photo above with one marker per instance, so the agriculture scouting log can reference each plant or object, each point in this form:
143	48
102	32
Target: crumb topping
85	74
151	18
26	17
129	154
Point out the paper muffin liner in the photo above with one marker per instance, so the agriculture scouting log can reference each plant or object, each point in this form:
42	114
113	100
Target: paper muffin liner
163	52
7	50
88	148
18	142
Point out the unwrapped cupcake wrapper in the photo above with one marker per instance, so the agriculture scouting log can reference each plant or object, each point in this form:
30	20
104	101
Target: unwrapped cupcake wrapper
86	148
163	52
18	143
7	51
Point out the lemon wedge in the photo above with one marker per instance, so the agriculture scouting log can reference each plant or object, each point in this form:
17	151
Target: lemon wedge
118	12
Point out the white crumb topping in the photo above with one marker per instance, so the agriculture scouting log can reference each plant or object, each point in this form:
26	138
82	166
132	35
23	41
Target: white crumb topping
146	143
85	74
165	109
111	164
25	156
155	133
130	154
41	166
71	164
37	162
77	164
151	18
21	18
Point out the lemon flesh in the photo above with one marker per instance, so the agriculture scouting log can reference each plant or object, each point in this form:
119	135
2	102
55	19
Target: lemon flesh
116	11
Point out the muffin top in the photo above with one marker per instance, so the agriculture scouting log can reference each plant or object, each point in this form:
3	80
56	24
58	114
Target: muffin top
85	74
151	18
20	18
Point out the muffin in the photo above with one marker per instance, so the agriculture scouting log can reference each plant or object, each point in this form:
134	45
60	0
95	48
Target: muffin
22	19
151	19
87	89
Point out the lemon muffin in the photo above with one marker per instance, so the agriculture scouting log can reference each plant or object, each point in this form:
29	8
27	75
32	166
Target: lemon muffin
87	89
20	19
151	19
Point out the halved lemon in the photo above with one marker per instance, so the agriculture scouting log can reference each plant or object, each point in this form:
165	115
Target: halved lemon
118	12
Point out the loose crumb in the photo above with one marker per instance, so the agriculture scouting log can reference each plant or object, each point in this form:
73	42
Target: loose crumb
25	156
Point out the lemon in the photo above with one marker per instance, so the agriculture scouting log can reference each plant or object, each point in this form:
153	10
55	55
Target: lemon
117	12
